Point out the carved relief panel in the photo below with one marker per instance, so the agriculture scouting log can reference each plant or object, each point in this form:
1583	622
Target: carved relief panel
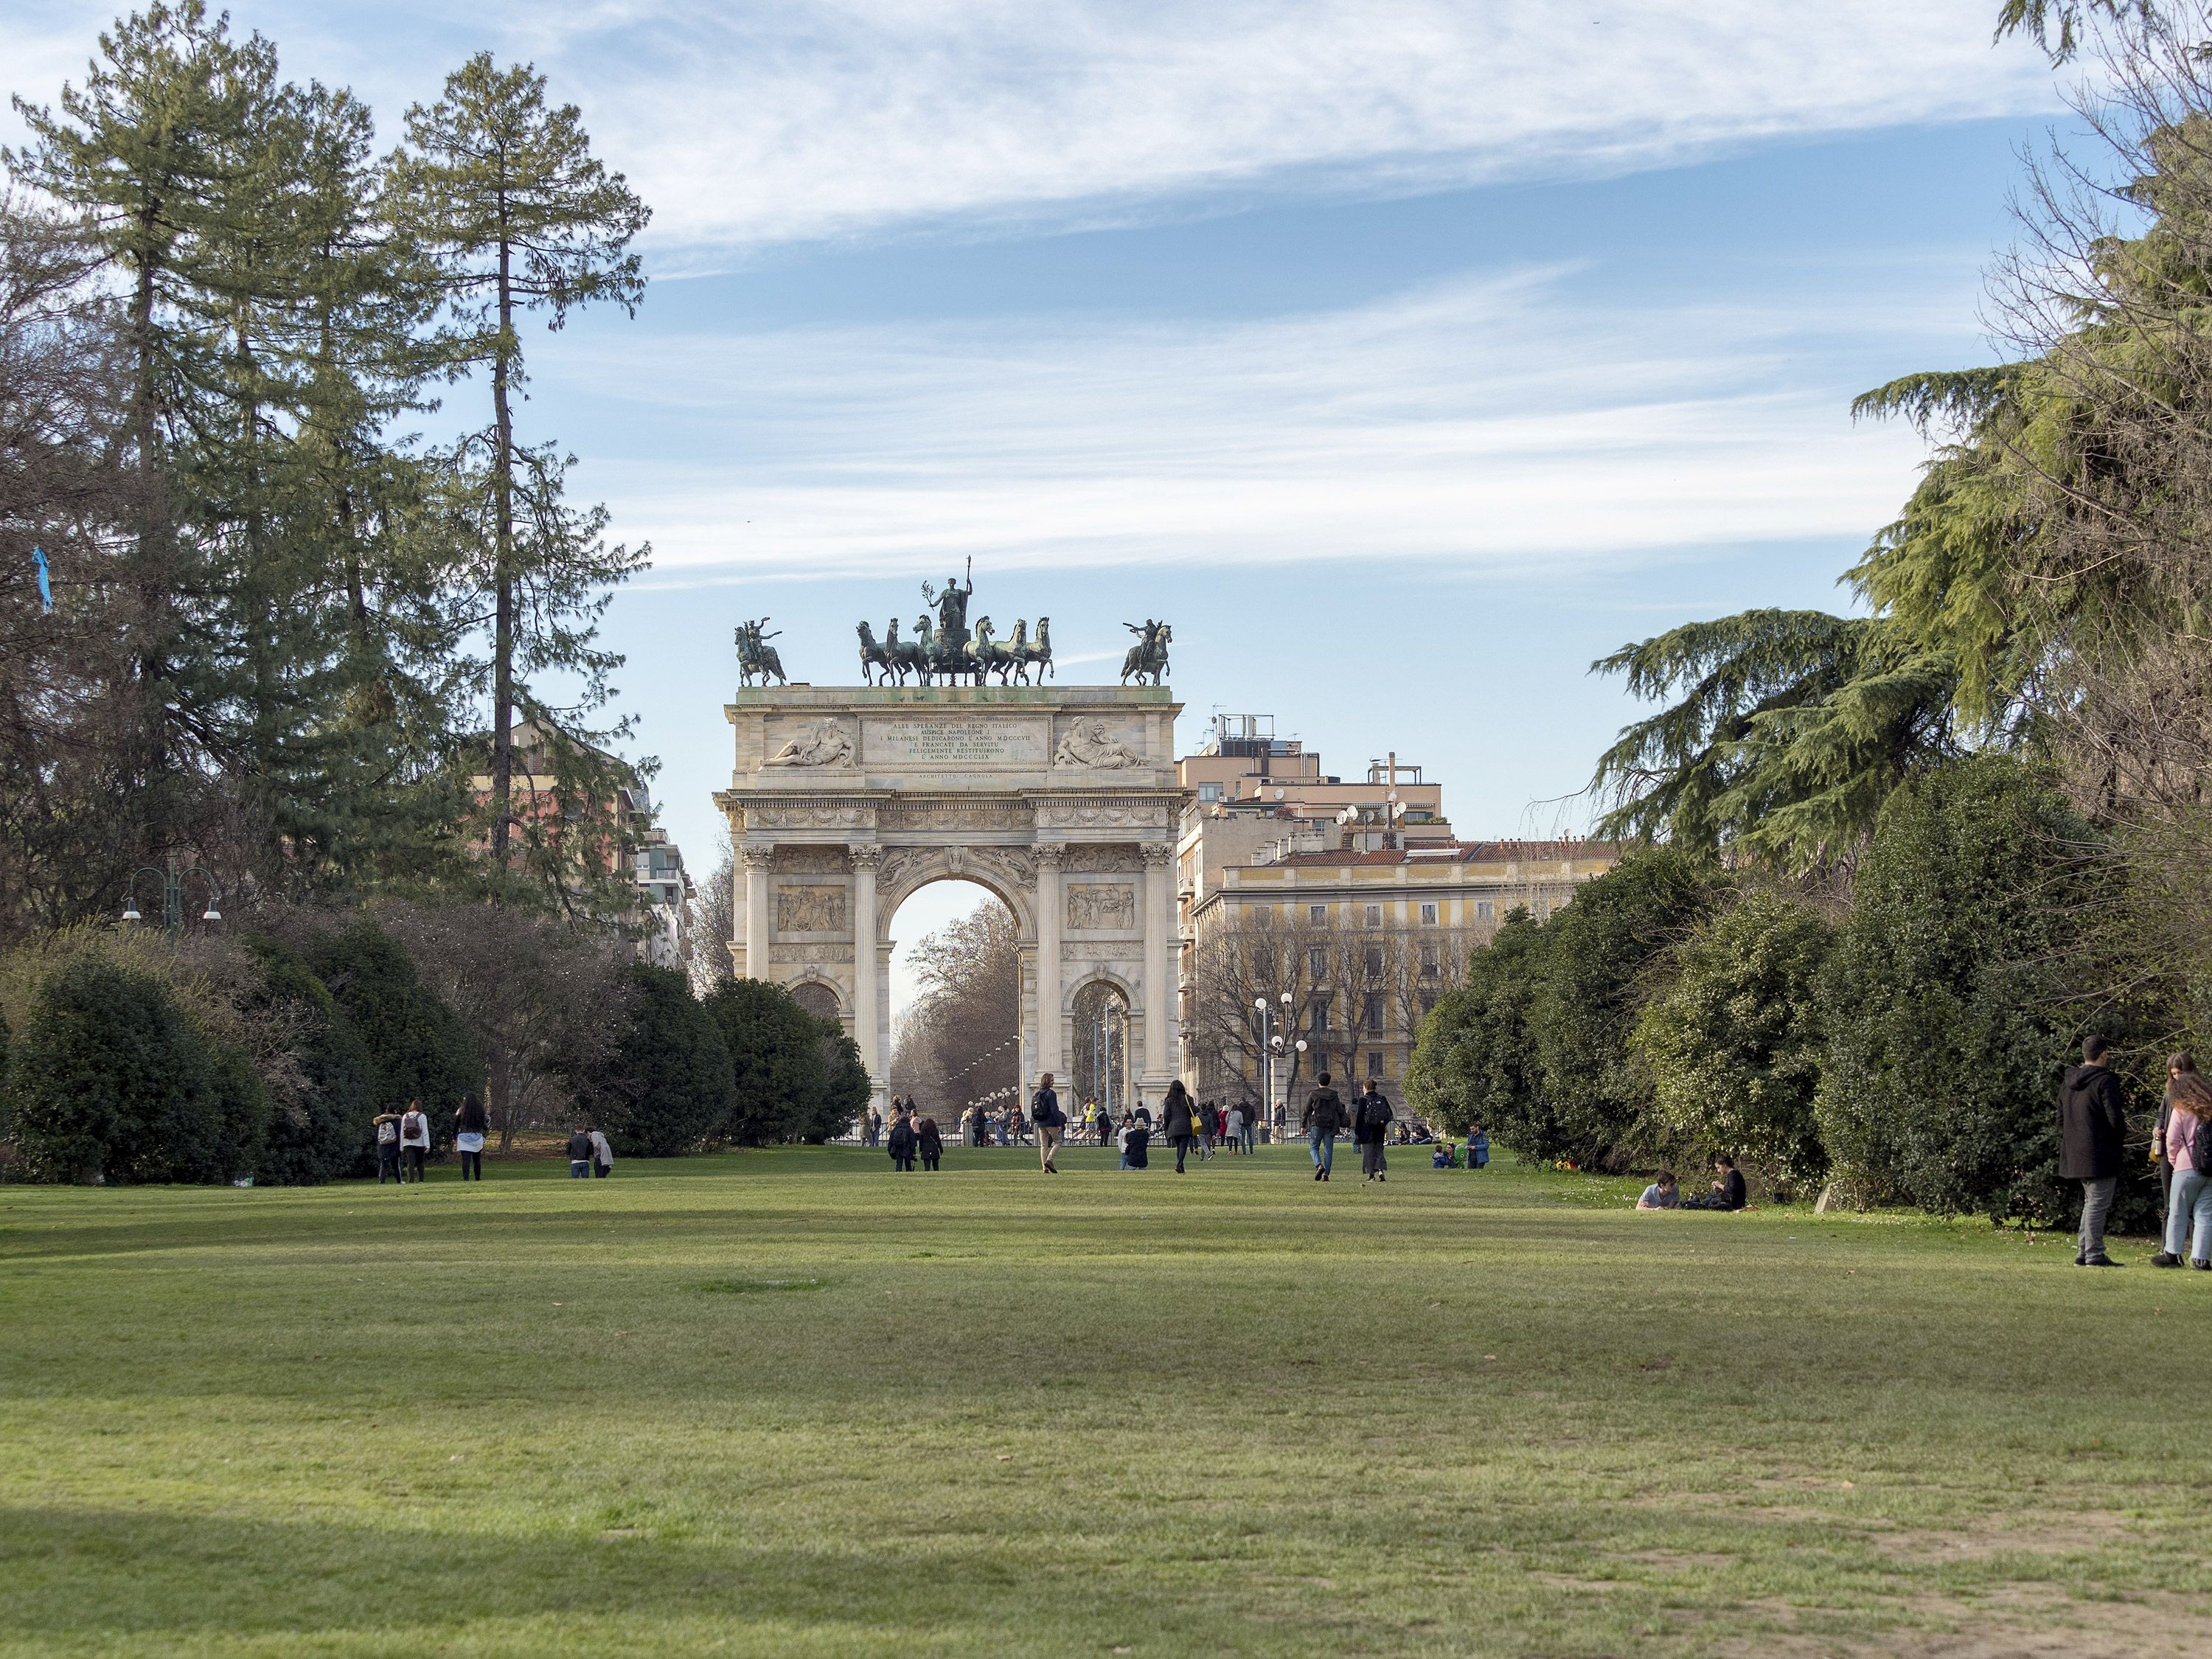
1101	907
810	909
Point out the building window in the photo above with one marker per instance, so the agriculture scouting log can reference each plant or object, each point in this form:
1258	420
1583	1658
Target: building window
1321	1014
1264	918
1432	962
1371	1013
1374	915
1374	1063
1484	910
1428	915
1428	1003
1317	914
1371	960
1207	791
1317	962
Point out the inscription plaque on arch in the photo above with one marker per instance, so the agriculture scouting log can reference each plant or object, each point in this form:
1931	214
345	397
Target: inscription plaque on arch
953	740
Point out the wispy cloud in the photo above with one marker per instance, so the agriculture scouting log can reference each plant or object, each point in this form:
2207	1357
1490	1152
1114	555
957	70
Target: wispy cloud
1494	423
749	122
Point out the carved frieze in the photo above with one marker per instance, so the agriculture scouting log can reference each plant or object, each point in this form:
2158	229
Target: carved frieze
1088	746
818	744
1103	815
1103	950
1101	907
811	861
1100	858
940	813
807	815
810	909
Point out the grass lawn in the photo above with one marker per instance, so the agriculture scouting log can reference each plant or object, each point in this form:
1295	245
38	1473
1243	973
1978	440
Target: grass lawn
791	1403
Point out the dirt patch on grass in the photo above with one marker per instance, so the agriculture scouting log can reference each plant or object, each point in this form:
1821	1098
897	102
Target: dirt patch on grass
2024	1534
2020	1622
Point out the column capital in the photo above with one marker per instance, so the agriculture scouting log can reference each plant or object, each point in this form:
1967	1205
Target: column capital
756	857
1156	851
1049	855
866	856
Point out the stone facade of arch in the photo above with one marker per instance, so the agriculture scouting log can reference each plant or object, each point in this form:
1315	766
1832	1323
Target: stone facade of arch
1061	800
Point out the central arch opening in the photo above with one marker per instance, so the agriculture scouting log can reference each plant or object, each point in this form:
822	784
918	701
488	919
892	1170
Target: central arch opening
1100	1060
956	994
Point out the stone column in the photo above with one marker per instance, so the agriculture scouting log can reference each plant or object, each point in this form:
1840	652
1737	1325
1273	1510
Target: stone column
866	1031
1161	1062
1049	902
757	929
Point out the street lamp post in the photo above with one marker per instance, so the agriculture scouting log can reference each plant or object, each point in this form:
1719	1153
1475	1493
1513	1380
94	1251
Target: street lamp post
172	880
1273	1041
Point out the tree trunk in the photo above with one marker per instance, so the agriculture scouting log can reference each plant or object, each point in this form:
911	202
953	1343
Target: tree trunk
502	686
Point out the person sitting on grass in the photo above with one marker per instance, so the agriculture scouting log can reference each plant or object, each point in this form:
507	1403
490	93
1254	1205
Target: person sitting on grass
581	1154
1660	1194
1136	1141
1443	1157
928	1143
901	1142
1728	1189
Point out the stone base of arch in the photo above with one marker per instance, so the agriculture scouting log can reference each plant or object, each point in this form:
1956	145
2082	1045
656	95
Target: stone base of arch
1062	801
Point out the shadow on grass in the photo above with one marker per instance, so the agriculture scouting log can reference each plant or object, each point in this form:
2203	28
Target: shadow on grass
89	1576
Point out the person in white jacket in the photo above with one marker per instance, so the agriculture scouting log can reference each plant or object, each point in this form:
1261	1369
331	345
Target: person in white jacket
414	1141
603	1155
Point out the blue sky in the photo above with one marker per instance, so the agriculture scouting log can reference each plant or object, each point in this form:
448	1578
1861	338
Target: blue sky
1406	355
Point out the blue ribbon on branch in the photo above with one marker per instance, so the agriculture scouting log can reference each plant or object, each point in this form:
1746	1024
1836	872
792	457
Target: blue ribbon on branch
45	585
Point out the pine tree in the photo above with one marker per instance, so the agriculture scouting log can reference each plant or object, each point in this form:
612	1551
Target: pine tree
505	194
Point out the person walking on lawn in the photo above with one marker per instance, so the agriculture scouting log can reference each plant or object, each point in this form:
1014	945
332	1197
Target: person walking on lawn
414	1141
902	1142
603	1154
469	1126
2093	1124
2185	1141
386	1125
1323	1117
580	1154
1178	1122
1209	1129
1050	1120
1371	1128
928	1143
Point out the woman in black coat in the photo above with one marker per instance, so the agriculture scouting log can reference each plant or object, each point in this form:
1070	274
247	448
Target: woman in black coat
928	1144
1371	1128
1176	1122
901	1142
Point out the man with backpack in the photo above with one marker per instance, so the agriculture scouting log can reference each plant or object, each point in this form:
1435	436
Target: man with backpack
387	1148
1371	1123
1323	1118
1045	1113
414	1142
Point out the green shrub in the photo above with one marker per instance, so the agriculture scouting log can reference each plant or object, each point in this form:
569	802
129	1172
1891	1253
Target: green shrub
1952	1001
318	1126
1734	1044
112	1078
1474	1059
1602	962
844	1086
416	1046
663	1085
776	1061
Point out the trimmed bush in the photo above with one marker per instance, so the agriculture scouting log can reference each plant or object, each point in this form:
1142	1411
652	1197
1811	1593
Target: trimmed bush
663	1086
775	1061
1474	1059
114	1079
417	1046
1952	999
318	1126
1734	1046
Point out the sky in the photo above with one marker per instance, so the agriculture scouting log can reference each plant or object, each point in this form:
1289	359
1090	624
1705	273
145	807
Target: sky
1407	355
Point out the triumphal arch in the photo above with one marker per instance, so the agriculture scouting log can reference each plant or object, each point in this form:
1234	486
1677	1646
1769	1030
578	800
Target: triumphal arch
1061	799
